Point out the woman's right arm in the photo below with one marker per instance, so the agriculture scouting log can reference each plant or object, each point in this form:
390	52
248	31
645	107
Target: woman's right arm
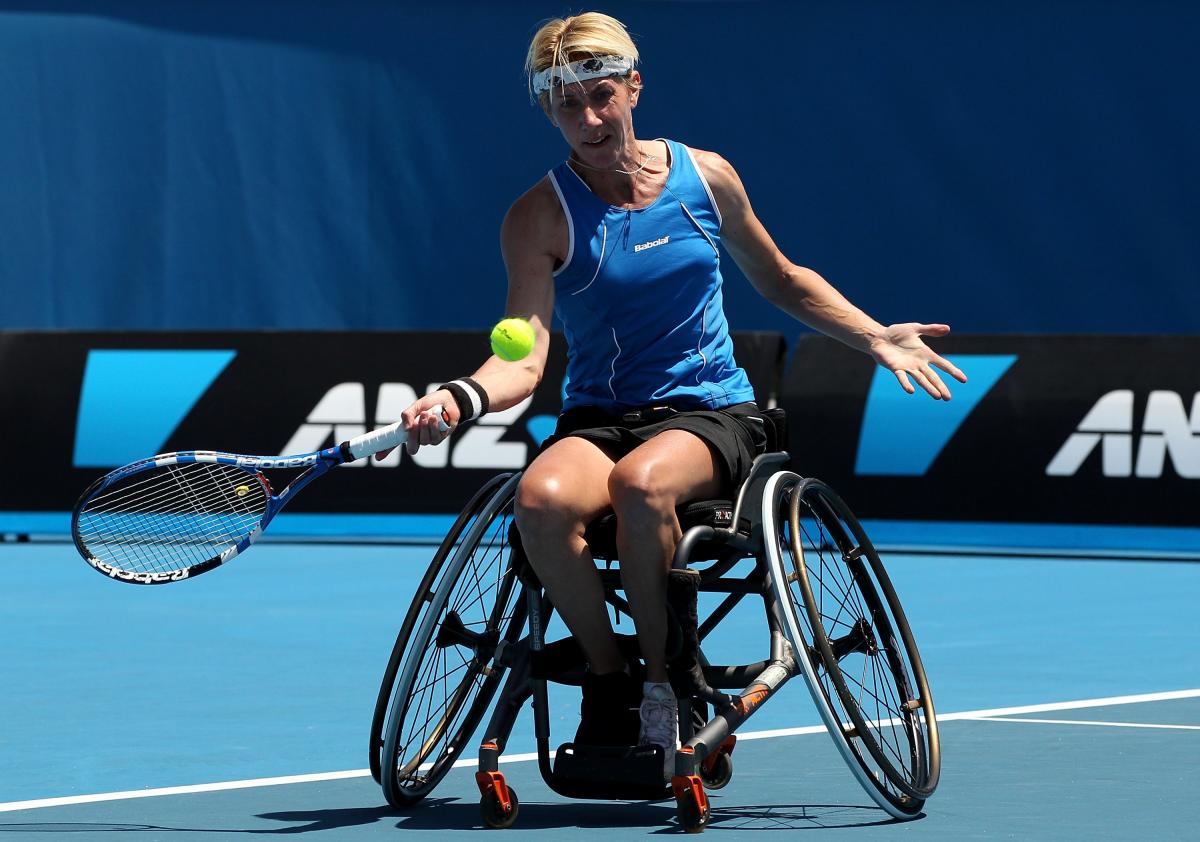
533	238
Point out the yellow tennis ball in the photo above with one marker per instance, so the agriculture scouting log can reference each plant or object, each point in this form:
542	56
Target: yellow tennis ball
512	339
242	490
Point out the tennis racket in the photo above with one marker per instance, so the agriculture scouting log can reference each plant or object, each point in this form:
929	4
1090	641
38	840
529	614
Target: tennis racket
177	515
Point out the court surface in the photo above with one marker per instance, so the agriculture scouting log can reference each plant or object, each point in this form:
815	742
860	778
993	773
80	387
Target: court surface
1068	692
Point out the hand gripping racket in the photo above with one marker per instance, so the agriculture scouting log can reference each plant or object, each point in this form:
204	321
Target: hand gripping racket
177	515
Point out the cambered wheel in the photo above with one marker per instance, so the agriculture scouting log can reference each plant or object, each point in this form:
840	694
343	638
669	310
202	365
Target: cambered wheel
469	603
854	643
417	610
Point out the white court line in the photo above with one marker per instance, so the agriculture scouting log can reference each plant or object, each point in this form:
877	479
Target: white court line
11	806
1085	722
179	790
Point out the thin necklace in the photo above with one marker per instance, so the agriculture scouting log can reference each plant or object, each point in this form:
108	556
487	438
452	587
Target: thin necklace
649	157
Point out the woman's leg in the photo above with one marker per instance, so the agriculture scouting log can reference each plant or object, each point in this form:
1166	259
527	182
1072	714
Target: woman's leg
564	490
645	487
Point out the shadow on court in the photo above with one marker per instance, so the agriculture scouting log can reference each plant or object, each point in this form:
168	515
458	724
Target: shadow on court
453	814
77	827
798	817
308	821
304	821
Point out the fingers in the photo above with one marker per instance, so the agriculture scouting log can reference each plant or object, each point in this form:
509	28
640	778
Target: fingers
414	411
948	367
927	379
427	420
430	426
907	356
932	383
418	433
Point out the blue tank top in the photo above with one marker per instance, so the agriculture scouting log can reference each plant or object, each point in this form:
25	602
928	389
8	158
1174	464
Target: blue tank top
639	297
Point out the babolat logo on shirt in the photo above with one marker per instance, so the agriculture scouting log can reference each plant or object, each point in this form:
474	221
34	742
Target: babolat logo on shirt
661	241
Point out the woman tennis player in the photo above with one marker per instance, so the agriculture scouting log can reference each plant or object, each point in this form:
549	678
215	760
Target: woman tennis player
621	241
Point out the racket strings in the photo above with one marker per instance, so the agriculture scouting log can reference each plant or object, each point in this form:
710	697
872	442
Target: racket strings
206	507
171	531
135	544
173	517
171	493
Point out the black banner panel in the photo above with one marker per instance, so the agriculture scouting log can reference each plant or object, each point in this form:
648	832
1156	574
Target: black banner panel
1049	429
79	404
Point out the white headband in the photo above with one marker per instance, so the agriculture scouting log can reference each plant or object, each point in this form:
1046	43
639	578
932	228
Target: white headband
596	67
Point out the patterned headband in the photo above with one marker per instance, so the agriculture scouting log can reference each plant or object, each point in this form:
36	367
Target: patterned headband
596	67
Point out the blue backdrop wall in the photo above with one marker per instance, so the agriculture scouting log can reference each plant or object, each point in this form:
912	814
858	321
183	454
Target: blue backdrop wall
1021	167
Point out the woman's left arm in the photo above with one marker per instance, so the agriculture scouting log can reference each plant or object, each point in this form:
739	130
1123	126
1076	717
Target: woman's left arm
805	295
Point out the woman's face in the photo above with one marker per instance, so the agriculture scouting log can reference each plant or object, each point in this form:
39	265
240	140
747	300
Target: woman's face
595	117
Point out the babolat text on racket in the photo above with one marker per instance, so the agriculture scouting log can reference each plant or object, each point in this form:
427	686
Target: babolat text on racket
177	515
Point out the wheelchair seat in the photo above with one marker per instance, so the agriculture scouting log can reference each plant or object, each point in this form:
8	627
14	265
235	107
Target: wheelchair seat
601	534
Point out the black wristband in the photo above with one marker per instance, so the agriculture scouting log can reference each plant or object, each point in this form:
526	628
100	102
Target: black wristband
479	390
460	399
472	400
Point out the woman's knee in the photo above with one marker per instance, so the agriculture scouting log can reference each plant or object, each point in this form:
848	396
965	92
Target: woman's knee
642	491
542	508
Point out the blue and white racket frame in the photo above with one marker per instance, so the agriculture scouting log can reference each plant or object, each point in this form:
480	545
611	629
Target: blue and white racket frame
316	464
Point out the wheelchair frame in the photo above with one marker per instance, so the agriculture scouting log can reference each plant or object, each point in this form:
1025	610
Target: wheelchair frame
891	746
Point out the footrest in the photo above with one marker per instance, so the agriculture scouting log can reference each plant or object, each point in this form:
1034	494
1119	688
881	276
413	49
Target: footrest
632	773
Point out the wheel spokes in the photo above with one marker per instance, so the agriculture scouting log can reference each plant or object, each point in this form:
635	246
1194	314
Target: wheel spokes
868	682
454	663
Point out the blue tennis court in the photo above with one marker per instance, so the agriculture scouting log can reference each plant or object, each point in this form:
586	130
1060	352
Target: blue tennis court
273	226
239	703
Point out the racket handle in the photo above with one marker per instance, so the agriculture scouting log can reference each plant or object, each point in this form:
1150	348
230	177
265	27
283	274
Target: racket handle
392	435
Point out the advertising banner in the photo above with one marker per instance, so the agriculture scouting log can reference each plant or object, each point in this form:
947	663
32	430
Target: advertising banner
76	405
1049	429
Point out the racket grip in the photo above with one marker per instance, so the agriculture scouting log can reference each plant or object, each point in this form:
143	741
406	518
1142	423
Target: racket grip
392	435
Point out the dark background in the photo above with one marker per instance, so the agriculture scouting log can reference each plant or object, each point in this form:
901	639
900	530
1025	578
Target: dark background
308	165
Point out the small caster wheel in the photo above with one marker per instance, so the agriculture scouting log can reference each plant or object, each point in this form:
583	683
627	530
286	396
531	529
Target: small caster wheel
719	773
493	814
692	817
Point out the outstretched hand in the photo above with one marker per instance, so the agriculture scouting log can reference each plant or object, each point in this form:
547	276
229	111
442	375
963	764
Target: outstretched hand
900	350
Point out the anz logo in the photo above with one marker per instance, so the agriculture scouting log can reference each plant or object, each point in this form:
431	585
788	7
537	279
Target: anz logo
132	400
342	414
1167	430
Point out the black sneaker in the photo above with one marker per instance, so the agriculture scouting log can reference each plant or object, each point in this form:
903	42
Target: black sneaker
608	713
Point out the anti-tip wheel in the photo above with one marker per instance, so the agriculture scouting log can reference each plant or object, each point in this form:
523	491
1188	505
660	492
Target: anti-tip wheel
719	774
493	814
692	818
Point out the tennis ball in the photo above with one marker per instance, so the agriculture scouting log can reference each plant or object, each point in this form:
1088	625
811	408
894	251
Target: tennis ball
512	339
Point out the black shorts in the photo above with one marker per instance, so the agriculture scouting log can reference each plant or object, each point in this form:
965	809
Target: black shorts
735	434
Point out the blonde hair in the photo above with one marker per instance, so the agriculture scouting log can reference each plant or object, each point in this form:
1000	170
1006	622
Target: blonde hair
562	40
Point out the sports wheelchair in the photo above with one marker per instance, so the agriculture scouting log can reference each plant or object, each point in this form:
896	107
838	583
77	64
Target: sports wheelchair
831	613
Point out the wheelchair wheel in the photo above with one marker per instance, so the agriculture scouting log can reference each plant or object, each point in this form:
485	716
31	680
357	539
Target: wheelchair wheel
853	642
468	603
416	610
